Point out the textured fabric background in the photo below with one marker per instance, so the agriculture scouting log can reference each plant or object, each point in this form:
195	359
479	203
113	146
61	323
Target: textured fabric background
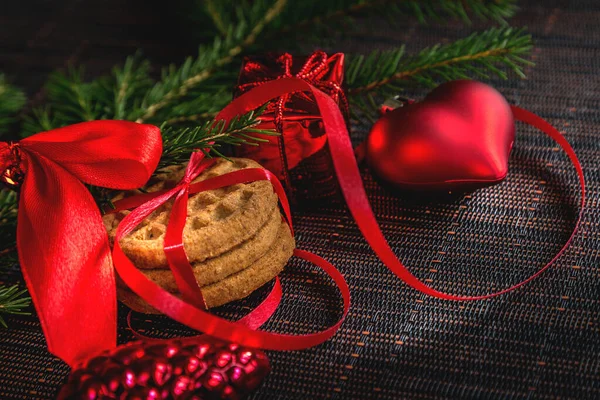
542	341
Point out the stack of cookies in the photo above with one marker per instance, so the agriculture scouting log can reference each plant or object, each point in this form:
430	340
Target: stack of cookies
235	237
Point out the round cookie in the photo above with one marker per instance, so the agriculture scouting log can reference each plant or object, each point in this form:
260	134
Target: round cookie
217	221
235	286
217	268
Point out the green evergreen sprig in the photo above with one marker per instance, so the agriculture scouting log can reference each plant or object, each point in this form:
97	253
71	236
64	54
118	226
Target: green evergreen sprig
40	119
209	137
12	101
316	20
480	55
125	86
13	301
437	10
177	82
71	99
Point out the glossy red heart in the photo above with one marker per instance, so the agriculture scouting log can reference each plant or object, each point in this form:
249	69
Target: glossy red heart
459	137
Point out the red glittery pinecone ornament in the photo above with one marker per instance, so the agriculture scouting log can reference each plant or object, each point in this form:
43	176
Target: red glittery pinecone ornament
194	368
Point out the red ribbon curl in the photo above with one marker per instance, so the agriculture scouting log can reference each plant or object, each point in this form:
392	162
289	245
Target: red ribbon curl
62	243
353	190
352	187
63	248
187	310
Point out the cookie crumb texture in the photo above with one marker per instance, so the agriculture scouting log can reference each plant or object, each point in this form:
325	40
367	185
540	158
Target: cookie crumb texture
218	220
236	286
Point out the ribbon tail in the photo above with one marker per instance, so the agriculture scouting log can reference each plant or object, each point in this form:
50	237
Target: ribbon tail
176	255
352	187
65	259
243	331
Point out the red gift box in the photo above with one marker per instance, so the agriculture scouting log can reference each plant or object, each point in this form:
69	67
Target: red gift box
300	156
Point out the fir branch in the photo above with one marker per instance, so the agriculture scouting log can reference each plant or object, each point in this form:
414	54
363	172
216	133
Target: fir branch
177	82
320	12
202	105
40	119
191	118
178	143
216	15
464	10
12	301
315	16
126	85
72	99
386	73
12	101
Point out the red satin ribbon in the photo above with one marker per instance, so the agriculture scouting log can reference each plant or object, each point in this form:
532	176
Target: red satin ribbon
243	331
351	182
64	254
253	320
61	240
173	244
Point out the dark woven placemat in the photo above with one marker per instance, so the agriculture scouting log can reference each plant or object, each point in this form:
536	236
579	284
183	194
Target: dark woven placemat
542	341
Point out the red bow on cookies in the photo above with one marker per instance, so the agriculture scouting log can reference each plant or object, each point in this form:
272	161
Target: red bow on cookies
64	250
62	243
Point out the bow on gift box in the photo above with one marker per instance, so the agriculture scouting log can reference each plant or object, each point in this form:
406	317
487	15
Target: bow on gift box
315	71
62	243
290	113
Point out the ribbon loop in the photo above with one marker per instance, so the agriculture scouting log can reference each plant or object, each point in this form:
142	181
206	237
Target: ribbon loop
350	181
195	167
62	243
92	151
189	310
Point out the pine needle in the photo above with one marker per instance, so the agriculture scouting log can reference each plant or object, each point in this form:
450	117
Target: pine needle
386	73
177	82
12	301
179	143
12	101
8	218
320	19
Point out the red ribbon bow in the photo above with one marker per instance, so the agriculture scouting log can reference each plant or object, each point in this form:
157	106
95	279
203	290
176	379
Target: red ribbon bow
301	138
189	309
62	243
313	72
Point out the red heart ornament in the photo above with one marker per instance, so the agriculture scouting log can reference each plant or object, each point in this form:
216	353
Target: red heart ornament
459	137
